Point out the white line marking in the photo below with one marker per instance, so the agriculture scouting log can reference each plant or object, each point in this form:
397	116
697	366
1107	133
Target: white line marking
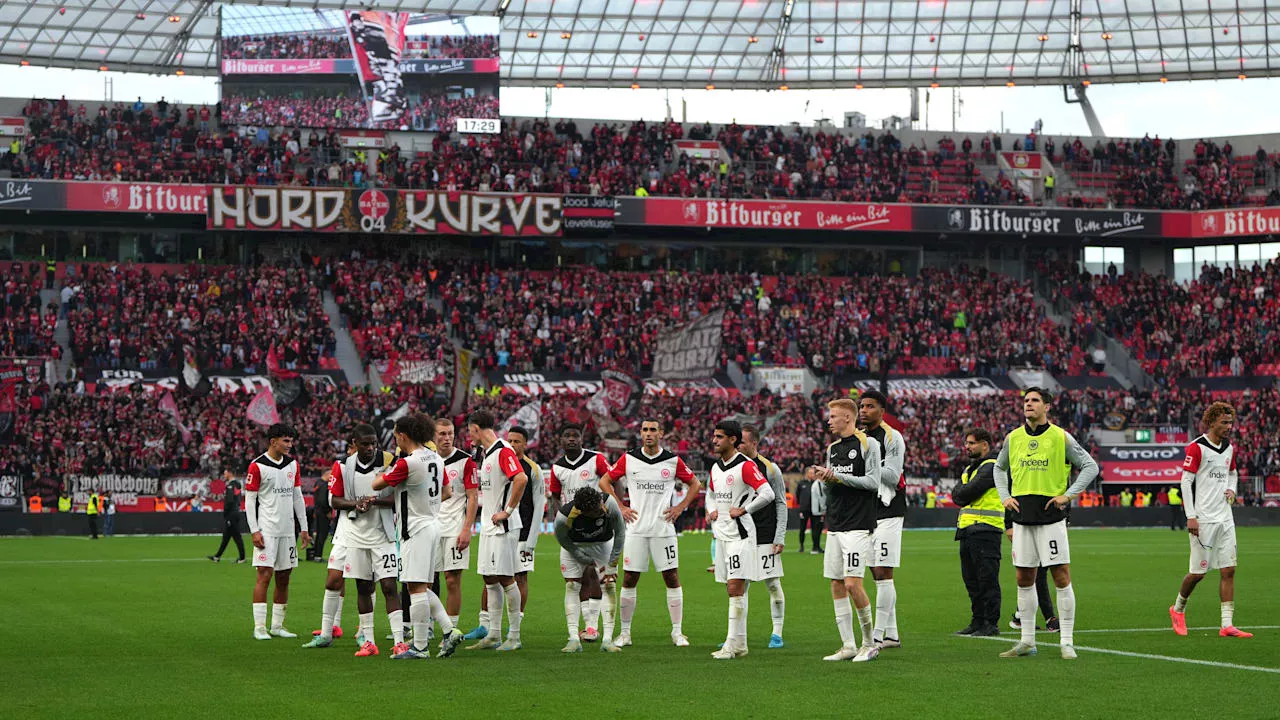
77	562
1169	628
1146	656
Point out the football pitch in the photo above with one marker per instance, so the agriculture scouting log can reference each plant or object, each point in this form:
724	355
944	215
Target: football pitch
133	627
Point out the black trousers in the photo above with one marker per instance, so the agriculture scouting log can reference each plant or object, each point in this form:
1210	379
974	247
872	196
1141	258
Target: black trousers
93	525
1177	518
816	522
316	550
231	531
980	567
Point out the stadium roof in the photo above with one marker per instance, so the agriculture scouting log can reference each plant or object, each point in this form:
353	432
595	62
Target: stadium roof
725	43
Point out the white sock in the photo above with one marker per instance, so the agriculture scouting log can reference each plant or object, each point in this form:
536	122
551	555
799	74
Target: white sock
329	609
884	607
591	614
514	615
608	612
675	608
627	608
277	615
420	617
864	619
1027	613
366	627
493	618
1228	613
259	616
484	614
1067	614
844	621
453	619
337	610
1180	605
746	594
396	618
572	607
737	621
777	604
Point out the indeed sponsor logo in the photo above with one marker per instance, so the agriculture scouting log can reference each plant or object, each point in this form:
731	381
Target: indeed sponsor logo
842	468
1034	464
652	486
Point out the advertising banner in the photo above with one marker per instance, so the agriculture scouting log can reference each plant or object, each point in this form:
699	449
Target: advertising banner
763	214
384	211
1037	221
1136	464
137	197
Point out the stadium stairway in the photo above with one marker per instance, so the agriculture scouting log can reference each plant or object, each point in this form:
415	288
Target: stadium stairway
348	356
1120	364
61	333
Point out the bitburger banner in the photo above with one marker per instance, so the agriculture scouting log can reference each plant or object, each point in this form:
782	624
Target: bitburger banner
1037	221
690	351
379	210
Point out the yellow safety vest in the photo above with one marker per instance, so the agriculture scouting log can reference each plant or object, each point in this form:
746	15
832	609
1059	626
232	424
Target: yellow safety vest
64	504
1175	497
92	507
986	509
1038	464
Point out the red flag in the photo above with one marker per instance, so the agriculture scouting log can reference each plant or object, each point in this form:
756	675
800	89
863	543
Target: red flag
169	407
262	408
273	365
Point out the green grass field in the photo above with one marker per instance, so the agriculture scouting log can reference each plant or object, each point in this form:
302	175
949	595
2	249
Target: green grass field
146	627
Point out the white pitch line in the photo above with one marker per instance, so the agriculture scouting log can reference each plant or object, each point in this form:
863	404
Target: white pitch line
1147	656
1169	628
77	562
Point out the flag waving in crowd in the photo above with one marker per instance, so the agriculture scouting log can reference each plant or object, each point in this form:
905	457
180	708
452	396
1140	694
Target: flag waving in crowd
262	408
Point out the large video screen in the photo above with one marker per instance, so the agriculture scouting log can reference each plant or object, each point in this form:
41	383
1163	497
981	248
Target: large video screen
359	69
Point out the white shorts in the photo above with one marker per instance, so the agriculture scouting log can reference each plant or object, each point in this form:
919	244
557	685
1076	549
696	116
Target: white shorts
1214	548
338	558
499	555
597	552
449	557
638	551
737	560
418	556
524	560
1041	545
846	554
279	553
377	563
770	564
886	542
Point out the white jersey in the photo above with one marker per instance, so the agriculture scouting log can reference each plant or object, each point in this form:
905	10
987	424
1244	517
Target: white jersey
1208	471
568	476
734	484
460	469
276	484
419	481
353	480
650	486
498	466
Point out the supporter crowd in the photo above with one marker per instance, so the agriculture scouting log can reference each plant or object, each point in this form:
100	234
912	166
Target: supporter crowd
26	324
222	318
335	45
330	109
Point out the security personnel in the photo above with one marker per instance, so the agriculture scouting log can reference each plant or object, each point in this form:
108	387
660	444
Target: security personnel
978	528
51	269
91	512
1177	516
64	502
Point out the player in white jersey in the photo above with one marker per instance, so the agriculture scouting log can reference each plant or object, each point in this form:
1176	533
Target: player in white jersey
457	515
650	474
771	533
1209	481
502	483
891	512
273	501
575	469
736	489
533	504
363	545
419	481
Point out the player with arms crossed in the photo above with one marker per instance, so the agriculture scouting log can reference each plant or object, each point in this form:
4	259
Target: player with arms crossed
886	541
578	468
502	483
736	489
771	532
591	533
1209	481
852	477
364	546
272	502
457	515
651	474
419	481
1031	476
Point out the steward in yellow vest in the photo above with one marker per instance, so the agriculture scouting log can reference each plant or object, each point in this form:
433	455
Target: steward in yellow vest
979	528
